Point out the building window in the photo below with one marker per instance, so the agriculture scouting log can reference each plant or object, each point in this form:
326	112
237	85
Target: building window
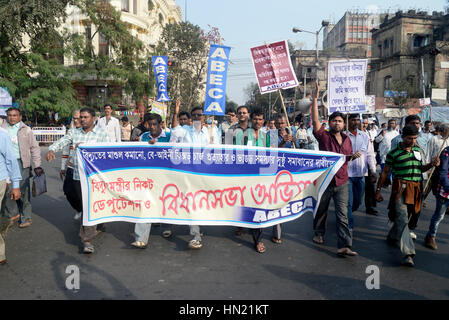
125	5
421	41
103	46
387	83
135	7
391	47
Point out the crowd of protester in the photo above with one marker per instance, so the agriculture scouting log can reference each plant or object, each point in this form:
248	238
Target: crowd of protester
404	160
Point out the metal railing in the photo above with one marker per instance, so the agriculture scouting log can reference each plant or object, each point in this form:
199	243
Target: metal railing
48	135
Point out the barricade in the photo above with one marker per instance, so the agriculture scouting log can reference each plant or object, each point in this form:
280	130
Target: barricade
48	135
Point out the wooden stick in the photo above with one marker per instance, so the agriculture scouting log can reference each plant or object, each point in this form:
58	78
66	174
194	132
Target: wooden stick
286	116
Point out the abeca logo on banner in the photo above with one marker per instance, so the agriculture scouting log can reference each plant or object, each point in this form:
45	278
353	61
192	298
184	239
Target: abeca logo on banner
160	64
215	103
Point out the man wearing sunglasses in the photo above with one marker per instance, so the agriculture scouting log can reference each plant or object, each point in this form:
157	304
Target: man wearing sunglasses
199	135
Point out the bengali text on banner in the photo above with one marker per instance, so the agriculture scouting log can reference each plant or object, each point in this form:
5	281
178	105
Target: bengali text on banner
273	67
346	86
218	185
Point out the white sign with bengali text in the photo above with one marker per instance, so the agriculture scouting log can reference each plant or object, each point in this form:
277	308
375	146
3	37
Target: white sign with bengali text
346	86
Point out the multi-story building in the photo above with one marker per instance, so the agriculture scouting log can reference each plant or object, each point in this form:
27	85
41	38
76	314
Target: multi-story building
352	33
145	20
411	48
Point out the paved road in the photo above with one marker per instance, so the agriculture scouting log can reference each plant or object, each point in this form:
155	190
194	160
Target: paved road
226	267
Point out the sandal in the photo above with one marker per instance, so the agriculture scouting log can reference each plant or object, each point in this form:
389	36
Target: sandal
13	219
276	240
195	244
318	239
88	247
347	252
139	244
25	224
167	233
260	247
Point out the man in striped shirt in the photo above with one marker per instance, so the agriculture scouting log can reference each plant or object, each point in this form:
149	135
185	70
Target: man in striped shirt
406	162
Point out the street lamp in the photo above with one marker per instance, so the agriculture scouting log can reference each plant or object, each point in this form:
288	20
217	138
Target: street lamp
304	104
324	23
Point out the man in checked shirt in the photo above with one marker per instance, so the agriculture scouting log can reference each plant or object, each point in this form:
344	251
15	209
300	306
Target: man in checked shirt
87	133
66	172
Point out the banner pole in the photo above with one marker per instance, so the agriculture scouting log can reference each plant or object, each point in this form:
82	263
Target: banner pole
286	116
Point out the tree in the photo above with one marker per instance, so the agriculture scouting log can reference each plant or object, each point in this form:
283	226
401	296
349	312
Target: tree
122	61
187	45
255	98
33	70
404	86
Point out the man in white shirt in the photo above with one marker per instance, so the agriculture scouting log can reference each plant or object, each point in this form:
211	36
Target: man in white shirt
370	178
110	124
384	139
358	167
435	143
301	135
312	142
371	130
198	134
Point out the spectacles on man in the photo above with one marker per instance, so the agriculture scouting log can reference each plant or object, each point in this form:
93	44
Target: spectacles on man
197	115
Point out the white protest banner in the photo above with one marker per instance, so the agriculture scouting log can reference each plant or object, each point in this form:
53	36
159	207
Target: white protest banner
370	104
273	67
346	86
439	94
230	185
424	102
159	108
5	100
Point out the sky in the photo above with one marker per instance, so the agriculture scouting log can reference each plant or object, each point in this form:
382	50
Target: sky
244	24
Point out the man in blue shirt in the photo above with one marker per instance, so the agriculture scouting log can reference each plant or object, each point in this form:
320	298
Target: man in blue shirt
9	170
153	124
286	139
154	135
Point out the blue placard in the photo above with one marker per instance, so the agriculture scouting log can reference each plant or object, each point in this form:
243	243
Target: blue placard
217	70
160	66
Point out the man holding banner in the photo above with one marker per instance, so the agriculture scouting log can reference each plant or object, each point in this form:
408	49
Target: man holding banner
154	135
87	133
336	141
198	134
